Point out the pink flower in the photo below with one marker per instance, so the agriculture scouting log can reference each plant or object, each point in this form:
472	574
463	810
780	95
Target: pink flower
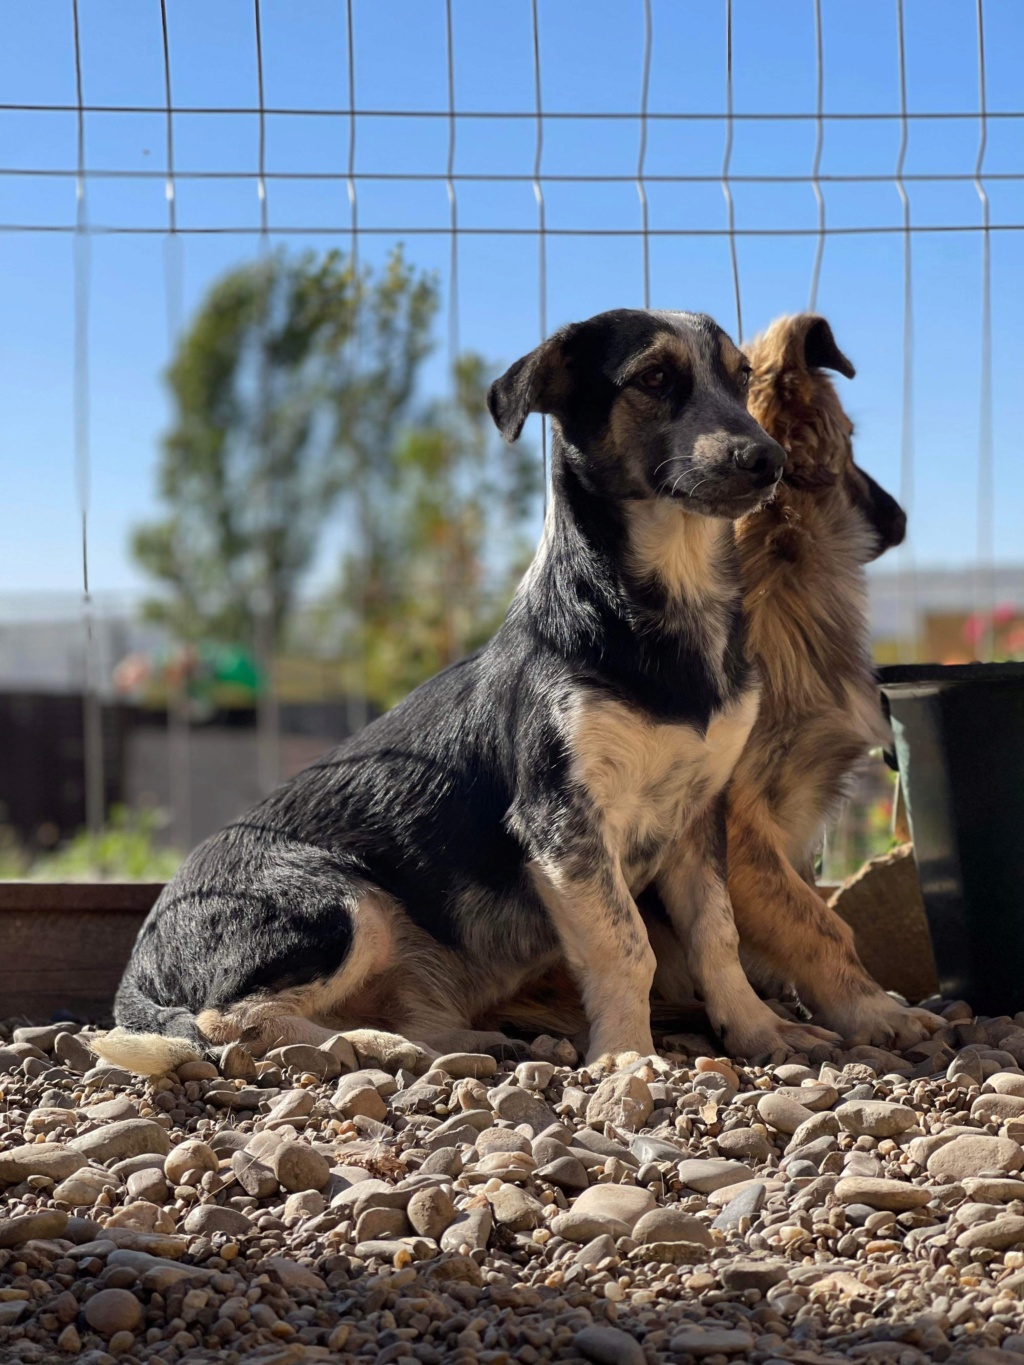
974	628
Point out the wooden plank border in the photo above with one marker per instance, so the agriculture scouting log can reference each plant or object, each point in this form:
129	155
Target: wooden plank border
94	898
64	945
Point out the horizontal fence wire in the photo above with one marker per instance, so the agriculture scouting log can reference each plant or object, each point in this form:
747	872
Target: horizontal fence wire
449	177
524	178
653	115
418	230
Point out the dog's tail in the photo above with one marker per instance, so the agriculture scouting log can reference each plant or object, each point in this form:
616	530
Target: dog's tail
157	1039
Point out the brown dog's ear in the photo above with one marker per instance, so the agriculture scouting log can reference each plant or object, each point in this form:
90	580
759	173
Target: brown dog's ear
821	351
880	509
532	384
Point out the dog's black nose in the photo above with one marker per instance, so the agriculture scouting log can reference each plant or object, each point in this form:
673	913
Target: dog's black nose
762	459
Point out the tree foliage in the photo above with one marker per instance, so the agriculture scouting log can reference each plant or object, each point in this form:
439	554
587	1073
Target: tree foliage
295	401
433	580
289	391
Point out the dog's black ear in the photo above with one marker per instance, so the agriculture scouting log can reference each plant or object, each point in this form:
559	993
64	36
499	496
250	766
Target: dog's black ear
880	509
821	351
532	384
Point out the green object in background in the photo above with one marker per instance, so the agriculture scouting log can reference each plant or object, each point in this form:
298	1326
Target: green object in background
208	677
227	677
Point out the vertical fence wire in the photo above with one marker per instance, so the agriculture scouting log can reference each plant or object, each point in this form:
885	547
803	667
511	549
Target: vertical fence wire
350	183
453	202
267	711
819	144
984	591
452	588
641	188
828	850
357	712
908	577
726	163
261	178
542	244
92	713
179	751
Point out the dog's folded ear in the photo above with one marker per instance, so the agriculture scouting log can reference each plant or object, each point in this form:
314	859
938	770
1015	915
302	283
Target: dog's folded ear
532	384
880	509
821	351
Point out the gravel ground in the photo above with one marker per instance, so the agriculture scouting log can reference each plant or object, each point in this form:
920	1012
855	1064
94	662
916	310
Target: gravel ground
319	1205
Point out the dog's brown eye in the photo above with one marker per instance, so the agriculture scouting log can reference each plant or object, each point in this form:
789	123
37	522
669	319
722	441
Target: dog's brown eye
653	380
744	376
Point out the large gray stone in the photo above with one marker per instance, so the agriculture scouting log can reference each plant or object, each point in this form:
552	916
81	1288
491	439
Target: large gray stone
621	1099
707	1174
609	1346
115	1141
746	1204
39	1158
875	1118
880	1193
712	1341
781	1112
976	1154
516	1105
604	1209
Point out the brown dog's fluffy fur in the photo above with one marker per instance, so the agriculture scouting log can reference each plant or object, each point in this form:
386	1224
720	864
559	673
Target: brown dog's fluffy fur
803	558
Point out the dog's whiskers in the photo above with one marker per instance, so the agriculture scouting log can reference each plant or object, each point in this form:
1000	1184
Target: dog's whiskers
698	485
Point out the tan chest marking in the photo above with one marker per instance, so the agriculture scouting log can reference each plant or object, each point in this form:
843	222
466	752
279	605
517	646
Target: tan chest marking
648	780
680	550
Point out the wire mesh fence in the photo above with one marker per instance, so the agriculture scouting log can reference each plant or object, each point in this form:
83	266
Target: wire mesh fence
544	160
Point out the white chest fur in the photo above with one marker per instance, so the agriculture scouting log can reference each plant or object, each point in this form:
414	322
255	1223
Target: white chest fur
648	781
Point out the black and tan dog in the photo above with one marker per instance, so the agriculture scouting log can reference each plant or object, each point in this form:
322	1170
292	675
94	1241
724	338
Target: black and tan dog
504	815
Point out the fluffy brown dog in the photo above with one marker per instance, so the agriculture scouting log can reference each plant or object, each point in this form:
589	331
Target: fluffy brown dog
803	558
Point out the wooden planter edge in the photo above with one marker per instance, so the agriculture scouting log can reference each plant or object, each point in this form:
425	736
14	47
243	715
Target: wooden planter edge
94	898
64	945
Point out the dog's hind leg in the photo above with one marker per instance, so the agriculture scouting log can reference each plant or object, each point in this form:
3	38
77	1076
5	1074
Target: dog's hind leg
788	925
691	883
311	1012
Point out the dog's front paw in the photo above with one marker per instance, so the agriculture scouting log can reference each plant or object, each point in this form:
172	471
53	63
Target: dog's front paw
612	1061
390	1051
877	1020
774	1039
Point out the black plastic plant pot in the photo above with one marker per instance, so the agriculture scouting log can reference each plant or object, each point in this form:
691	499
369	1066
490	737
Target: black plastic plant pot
959	739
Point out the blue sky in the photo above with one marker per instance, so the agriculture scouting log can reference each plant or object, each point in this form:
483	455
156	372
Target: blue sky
591	60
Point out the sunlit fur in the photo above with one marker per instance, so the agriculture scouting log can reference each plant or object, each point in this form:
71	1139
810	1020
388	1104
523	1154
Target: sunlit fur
505	812
803	558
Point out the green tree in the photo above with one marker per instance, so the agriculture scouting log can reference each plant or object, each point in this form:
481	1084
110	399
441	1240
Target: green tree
290	392
447	544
